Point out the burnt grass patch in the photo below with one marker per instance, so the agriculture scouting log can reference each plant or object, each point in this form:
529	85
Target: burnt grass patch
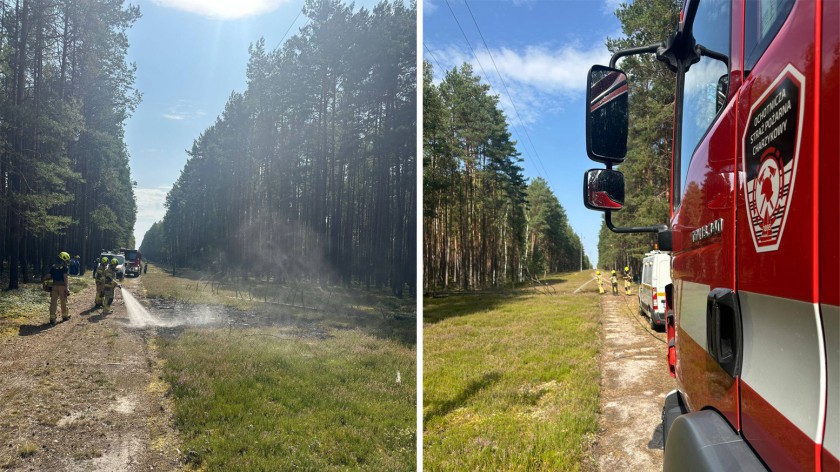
177	316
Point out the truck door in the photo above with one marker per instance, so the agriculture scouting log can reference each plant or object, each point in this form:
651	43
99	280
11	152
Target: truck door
703	220
783	378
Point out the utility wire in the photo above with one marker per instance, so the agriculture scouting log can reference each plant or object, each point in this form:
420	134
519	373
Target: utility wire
486	75
290	27
434	58
507	92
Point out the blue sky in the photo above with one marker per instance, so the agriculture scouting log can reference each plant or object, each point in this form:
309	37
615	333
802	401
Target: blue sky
542	50
190	56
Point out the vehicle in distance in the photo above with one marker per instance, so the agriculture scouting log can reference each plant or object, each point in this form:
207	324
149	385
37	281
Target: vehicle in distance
656	275
133	262
120	262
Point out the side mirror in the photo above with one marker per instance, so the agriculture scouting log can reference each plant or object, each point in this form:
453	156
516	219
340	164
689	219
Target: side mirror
603	189
606	115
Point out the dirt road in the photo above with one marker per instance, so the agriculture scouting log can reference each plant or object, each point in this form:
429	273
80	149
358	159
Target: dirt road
634	382
84	395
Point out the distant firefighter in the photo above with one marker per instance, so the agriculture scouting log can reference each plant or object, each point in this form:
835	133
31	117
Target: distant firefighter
99	276
614	281
628	280
60	287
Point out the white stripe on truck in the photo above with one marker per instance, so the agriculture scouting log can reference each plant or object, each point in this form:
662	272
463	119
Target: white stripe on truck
692	305
831	325
784	358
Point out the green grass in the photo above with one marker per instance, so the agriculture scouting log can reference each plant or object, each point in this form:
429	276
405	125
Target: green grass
259	401
511	380
30	305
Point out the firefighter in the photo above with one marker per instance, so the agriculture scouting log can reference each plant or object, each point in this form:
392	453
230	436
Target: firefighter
109	283
600	282
614	281
628	280
99	276
60	287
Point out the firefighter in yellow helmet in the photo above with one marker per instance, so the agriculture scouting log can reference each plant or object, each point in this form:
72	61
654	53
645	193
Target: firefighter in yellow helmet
60	287
628	280
99	276
600	282
109	284
614	281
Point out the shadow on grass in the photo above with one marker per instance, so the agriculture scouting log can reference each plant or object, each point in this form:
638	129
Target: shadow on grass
89	311
98	317
469	391
445	306
439	306
29	330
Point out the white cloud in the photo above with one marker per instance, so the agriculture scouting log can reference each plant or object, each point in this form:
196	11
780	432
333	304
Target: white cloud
183	110
223	9
150	209
429	7
540	79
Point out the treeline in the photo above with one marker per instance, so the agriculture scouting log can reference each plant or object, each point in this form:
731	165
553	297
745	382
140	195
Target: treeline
309	173
65	93
647	170
483	225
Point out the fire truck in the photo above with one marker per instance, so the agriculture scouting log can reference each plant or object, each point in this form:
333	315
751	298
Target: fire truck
133	261
753	311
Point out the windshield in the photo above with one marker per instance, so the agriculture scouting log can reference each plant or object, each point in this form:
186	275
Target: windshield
130	255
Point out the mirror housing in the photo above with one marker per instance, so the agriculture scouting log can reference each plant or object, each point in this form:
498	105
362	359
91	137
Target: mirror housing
603	189
606	115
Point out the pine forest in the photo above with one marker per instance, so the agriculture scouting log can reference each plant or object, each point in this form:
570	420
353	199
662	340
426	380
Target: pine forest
484	225
310	172
65	94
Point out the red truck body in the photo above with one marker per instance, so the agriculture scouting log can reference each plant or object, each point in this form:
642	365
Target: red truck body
755	233
133	261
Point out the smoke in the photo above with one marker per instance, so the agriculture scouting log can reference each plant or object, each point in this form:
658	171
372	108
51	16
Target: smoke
286	251
140	317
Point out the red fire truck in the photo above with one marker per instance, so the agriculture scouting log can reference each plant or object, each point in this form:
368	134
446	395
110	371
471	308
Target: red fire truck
753	311
133	261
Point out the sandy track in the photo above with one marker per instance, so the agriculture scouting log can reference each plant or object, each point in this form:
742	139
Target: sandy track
84	395
634	382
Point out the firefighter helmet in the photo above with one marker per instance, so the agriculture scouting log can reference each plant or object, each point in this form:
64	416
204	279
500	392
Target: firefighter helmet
613	272
104	260
626	269
114	261
64	256
597	272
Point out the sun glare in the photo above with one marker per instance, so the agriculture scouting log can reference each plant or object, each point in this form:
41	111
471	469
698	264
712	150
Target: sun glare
223	9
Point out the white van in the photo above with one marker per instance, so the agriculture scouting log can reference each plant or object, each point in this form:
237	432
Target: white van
656	274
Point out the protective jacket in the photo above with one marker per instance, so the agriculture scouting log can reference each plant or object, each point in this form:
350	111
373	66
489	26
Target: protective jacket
109	278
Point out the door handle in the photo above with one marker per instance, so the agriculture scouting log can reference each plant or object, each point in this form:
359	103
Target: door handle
723	329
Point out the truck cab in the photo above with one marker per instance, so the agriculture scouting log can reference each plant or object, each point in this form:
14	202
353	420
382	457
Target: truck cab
754	230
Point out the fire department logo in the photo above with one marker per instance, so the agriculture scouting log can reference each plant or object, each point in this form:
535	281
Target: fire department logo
770	154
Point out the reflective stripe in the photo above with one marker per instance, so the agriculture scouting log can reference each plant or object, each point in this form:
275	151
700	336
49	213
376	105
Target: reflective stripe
693	311
784	360
831	325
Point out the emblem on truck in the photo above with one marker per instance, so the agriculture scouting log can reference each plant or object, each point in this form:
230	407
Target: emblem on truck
770	154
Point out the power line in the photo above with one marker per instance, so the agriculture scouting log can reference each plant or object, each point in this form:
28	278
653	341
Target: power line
433	57
290	27
507	92
487	78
